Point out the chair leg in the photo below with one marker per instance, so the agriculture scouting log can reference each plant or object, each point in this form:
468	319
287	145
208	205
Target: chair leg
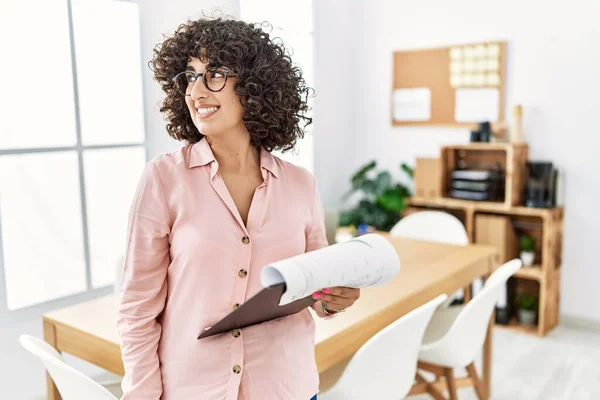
476	382
436	394
449	372
424	386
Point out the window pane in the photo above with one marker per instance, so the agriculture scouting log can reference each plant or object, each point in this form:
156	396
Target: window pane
109	71
40	219
111	177
37	82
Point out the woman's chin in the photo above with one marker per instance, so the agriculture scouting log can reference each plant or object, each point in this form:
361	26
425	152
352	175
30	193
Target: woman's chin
209	131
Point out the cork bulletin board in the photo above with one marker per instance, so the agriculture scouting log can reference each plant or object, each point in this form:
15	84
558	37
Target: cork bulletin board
455	86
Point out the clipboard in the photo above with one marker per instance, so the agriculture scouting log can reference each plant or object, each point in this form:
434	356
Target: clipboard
262	307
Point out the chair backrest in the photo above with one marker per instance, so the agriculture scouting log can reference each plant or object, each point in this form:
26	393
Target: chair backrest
464	339
433	226
385	366
72	384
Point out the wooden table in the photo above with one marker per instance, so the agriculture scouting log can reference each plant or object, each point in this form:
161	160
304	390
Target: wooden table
88	330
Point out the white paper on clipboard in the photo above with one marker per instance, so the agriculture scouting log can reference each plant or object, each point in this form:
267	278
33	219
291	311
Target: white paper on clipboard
412	104
364	261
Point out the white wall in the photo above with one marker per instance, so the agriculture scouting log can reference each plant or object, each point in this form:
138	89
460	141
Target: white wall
553	69
334	107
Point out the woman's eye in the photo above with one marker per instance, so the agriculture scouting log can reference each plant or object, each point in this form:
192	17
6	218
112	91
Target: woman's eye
218	74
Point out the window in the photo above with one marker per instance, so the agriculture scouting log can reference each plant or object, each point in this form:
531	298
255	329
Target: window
292	22
71	145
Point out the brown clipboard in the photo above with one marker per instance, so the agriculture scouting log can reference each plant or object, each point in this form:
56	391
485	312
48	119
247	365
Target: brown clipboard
262	307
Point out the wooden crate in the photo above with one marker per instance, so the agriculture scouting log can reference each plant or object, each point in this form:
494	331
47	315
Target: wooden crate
427	178
509	158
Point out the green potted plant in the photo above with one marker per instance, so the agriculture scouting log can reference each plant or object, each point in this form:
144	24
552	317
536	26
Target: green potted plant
382	200
527	309
527	247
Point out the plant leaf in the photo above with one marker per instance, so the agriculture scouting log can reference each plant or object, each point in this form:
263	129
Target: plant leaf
402	189
358	178
361	174
382	182
392	200
408	169
369	187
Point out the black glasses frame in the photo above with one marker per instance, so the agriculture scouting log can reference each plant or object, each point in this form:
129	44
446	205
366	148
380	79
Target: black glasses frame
226	71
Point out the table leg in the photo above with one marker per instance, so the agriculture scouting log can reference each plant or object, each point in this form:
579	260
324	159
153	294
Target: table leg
487	358
468	293
50	337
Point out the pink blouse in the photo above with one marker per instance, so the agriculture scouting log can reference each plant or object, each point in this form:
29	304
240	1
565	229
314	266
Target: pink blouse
190	260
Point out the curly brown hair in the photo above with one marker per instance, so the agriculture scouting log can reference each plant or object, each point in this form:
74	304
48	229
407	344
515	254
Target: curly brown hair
271	89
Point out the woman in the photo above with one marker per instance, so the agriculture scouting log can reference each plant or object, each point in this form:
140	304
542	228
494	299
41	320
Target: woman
206	218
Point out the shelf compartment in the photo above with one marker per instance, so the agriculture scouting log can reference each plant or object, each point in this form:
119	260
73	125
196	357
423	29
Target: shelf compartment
508	159
533	273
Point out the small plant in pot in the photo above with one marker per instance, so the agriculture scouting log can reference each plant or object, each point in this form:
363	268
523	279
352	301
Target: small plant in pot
527	247
528	306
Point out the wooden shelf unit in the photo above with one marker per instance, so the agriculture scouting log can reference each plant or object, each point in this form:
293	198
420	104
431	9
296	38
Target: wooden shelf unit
534	273
508	158
546	271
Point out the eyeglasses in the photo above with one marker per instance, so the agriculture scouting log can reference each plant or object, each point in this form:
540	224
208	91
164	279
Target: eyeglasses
214	79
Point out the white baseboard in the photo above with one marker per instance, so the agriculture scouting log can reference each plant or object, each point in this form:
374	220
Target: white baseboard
574	321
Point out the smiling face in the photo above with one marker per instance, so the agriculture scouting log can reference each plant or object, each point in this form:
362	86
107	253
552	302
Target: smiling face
214	113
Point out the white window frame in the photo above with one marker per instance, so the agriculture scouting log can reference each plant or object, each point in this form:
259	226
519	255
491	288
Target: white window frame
10	317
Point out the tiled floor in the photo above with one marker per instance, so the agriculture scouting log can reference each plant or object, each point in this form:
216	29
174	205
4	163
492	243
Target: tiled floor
565	365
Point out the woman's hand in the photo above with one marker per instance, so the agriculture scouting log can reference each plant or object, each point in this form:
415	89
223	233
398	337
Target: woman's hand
337	298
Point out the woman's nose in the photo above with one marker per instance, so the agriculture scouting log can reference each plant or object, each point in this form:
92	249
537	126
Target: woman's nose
198	89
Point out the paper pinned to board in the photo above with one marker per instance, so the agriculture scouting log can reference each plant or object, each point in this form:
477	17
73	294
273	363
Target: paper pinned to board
364	261
477	104
412	104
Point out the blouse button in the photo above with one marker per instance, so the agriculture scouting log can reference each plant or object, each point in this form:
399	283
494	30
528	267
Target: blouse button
236	333
245	240
236	305
243	273
237	369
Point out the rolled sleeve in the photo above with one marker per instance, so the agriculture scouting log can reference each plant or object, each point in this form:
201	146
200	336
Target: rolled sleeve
316	237
144	287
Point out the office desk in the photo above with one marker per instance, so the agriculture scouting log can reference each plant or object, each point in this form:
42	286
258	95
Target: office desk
88	330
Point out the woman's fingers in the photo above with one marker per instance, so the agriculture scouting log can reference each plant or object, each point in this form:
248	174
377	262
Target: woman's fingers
338	296
340	292
335	306
330	298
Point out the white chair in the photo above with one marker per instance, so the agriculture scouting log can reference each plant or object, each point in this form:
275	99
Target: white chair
384	367
72	384
433	226
455	335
